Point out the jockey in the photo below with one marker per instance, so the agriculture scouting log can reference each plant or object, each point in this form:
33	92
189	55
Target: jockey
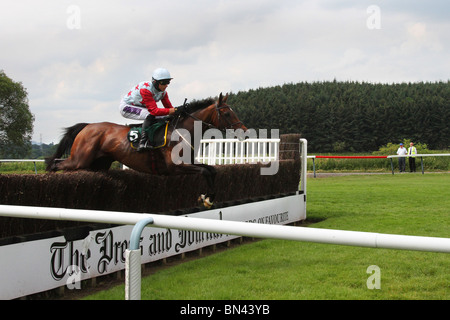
140	103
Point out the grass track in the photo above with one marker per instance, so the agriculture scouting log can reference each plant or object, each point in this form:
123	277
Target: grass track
410	204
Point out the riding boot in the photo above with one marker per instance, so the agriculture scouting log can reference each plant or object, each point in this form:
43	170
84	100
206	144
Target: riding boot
144	144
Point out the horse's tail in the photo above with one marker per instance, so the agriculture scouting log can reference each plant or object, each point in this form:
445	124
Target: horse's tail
64	145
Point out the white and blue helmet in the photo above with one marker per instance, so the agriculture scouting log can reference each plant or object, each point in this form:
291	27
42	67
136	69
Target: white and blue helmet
161	74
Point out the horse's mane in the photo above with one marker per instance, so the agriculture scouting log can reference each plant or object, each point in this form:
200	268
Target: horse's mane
196	105
193	106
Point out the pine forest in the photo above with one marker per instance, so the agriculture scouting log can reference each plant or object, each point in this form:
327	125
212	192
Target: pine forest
351	116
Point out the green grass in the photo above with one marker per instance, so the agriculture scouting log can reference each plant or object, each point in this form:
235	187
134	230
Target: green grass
28	167
21	167
410	204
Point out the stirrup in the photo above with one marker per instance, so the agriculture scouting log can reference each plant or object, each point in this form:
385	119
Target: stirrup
143	146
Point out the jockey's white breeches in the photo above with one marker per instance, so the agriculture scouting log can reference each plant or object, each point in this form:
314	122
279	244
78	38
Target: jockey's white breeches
133	112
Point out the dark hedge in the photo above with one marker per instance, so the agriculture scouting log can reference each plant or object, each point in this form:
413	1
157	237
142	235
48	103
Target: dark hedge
132	191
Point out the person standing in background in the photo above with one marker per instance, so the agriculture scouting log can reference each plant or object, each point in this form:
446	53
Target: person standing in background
412	151
401	151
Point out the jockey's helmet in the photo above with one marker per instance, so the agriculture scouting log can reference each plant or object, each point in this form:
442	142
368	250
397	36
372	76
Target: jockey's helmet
161	74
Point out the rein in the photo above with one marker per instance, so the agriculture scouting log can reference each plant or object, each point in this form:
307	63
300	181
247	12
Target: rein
176	130
230	125
197	119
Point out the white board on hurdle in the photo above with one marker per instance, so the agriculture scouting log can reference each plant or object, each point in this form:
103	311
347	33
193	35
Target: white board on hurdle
41	265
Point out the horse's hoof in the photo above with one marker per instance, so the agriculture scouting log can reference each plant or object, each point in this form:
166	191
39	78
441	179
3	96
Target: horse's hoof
52	168
205	201
200	199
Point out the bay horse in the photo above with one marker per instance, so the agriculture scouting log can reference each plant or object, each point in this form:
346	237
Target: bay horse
96	146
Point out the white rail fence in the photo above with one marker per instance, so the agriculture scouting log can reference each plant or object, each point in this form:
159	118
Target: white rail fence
417	156
133	255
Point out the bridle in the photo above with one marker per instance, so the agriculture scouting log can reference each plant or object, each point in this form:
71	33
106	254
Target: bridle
230	124
210	125
218	108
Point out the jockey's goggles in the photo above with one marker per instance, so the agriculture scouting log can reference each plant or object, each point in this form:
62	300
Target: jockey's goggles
164	81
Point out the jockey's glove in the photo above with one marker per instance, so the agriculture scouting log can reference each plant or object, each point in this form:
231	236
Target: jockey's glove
179	110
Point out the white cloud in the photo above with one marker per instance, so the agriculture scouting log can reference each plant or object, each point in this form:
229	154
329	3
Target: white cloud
210	46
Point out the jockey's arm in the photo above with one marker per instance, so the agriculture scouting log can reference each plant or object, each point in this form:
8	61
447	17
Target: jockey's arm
150	103
167	104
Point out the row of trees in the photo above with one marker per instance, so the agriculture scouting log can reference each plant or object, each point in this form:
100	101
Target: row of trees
16	120
333	116
351	116
42	150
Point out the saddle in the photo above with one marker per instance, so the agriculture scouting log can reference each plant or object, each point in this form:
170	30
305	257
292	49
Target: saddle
134	135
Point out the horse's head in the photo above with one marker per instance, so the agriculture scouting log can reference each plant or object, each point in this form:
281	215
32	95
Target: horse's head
223	117
216	114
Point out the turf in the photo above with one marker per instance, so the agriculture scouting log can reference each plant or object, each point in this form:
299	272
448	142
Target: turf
409	204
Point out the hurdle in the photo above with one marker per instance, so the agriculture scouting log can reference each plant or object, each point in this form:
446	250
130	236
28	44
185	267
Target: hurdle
235	151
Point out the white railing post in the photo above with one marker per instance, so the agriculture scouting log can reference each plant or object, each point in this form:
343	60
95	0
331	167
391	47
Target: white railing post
133	262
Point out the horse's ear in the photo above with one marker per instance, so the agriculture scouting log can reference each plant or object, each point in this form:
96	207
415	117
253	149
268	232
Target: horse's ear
222	99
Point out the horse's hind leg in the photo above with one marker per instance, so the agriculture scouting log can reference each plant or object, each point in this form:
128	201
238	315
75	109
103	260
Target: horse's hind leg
72	163
102	164
78	160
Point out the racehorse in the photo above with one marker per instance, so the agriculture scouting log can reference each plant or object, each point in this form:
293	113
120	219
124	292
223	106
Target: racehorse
95	146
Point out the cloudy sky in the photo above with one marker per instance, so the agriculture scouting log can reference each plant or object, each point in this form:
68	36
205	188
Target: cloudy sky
78	58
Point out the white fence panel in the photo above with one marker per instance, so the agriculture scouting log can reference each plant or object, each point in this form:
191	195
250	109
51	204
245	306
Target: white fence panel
234	151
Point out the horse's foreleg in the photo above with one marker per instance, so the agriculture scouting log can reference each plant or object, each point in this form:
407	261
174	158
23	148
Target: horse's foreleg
208	173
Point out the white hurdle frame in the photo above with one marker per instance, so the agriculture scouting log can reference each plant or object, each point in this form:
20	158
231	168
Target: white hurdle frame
235	151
